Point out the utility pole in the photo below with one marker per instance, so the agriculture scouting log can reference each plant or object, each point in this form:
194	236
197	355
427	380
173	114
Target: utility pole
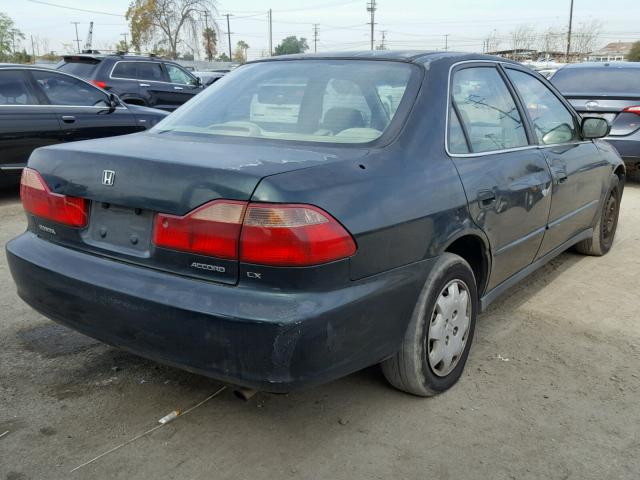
33	50
77	38
126	44
270	33
446	41
371	8
207	38
569	33
384	38
315	37
229	35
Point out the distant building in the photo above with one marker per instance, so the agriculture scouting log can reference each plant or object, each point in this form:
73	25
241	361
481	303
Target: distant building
613	52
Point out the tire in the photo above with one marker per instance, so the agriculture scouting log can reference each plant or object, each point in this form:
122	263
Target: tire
412	369
604	230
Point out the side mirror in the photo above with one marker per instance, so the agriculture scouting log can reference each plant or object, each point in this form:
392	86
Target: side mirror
114	102
595	127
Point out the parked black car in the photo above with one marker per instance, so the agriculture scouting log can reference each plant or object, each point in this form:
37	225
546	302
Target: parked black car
611	91
138	80
39	107
314	215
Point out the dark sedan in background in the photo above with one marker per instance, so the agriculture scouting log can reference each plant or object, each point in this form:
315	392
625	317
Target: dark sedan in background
310	216
39	107
611	91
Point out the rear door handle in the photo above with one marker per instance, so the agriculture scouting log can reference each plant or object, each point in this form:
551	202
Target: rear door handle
145	85
562	177
486	198
68	119
178	88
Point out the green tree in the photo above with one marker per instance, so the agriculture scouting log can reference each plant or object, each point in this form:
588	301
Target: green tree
165	21
292	45
122	46
223	57
210	39
240	55
634	53
9	35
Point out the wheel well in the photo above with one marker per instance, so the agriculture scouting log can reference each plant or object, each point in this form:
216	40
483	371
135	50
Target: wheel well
472	249
134	101
620	172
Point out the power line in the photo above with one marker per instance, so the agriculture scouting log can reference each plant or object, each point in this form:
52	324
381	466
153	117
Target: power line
75	8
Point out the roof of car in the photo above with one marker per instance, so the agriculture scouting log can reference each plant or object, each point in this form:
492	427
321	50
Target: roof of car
416	56
603	65
117	56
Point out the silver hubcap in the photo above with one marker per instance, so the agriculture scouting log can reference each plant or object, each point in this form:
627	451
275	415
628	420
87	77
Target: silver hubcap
449	328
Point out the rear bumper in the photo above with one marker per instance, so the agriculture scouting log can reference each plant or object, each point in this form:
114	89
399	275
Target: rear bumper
628	148
263	339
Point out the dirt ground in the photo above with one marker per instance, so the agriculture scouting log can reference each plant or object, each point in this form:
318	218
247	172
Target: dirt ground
551	391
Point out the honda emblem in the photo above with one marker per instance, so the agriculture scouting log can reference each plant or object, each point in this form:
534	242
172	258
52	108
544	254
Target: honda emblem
108	177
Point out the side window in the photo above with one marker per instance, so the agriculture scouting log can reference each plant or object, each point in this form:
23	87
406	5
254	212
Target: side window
457	141
15	89
177	75
487	110
150	71
65	90
125	70
551	120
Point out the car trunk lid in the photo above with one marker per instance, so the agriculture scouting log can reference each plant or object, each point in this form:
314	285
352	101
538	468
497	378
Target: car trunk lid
611	108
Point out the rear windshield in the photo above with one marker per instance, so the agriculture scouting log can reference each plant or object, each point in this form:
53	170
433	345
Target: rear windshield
337	101
79	67
597	80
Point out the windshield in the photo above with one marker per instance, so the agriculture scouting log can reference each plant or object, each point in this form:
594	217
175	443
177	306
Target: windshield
342	101
597	80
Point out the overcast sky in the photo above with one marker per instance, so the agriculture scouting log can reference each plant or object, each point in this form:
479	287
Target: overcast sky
416	24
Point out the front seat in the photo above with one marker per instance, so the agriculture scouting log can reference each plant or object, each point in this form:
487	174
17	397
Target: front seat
340	118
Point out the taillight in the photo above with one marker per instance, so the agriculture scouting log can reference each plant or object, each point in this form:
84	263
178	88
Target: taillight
264	234
42	202
212	230
292	235
635	109
100	84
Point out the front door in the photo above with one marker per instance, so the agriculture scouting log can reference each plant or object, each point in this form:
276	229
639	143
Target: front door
506	179
82	109
185	85
25	124
577	178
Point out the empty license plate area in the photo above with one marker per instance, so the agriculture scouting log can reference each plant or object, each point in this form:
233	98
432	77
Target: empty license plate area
120	229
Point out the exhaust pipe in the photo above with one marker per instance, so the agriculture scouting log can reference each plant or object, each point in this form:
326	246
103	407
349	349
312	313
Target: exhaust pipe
243	393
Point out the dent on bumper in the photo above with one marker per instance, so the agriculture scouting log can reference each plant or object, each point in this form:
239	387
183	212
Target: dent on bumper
265	339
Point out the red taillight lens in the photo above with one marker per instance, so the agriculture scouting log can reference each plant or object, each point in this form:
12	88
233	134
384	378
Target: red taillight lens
634	109
292	235
41	202
265	234
99	84
213	229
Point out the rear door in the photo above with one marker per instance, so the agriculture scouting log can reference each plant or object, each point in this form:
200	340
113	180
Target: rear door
576	165
505	176
82	109
25	123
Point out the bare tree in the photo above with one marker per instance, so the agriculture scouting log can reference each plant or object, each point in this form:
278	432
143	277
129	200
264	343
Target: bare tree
522	38
552	40
584	38
166	21
492	42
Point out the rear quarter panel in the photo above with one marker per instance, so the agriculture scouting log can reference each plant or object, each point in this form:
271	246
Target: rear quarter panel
402	203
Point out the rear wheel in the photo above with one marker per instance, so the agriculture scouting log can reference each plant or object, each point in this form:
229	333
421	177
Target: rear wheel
437	342
605	229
